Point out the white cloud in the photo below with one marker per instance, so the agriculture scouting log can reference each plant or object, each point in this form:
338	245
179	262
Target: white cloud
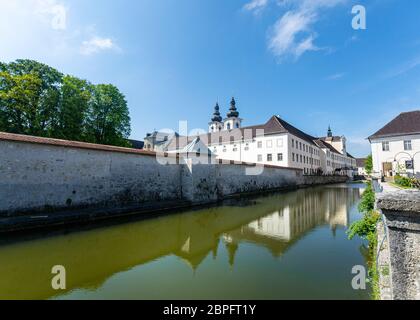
256	5
42	30
293	34
54	11
97	44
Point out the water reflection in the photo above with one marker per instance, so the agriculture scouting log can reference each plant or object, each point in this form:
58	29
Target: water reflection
274	223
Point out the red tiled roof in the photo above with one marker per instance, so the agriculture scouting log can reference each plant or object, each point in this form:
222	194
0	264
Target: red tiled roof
70	144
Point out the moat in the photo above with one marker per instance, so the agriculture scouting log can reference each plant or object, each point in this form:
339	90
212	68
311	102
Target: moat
290	245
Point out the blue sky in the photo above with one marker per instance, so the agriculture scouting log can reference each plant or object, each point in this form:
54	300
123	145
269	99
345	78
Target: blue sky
173	59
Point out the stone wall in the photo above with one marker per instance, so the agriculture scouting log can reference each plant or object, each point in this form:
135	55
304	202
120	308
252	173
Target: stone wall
402	218
39	175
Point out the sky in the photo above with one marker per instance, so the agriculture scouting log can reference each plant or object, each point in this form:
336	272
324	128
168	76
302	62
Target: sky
174	59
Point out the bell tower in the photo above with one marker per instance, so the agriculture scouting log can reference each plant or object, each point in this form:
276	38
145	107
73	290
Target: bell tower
232	121
216	123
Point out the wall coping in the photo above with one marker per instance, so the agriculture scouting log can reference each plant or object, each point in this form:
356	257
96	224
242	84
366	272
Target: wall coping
4	136
405	201
71	144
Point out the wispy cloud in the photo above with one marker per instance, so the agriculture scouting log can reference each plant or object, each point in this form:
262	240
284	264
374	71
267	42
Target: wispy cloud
97	44
42	30
404	68
256	5
294	33
336	76
54	12
283	40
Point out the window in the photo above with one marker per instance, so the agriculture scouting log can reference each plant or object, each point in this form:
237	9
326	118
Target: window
407	145
293	157
237	125
385	146
280	157
235	148
293	143
260	159
224	149
269	143
269	157
247	147
280	143
220	141
259	144
300	146
301	159
409	165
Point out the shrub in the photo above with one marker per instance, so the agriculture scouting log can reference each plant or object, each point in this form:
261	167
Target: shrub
403	181
366	229
407	182
368	199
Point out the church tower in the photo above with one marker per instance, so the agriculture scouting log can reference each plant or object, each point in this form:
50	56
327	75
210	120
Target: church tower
232	121
216	123
329	134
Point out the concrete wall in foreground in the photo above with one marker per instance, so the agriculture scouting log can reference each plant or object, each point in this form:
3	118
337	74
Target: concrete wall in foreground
402	218
39	175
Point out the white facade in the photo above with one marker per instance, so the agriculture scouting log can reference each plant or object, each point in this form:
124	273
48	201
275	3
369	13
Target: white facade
284	150
393	155
275	143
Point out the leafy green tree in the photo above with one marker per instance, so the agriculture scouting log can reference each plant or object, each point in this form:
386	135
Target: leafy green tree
38	100
76	97
369	165
109	120
19	103
48	95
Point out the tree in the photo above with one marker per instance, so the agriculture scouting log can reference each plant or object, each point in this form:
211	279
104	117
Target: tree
19	103
109	120
76	97
38	100
48	95
369	165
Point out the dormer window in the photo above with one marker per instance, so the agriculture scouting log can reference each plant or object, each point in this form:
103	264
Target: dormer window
228	126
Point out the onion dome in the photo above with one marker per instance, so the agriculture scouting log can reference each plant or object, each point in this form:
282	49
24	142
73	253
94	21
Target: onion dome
216	114
233	112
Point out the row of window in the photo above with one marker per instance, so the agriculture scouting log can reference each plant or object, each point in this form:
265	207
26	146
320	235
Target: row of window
270	157
269	144
304	147
407	145
305	159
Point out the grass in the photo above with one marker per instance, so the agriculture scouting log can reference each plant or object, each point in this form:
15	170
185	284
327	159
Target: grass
400	186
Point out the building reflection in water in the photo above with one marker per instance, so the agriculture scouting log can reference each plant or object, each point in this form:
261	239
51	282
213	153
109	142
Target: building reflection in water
91	257
301	212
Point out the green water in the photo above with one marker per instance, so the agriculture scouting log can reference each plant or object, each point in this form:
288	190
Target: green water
283	246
